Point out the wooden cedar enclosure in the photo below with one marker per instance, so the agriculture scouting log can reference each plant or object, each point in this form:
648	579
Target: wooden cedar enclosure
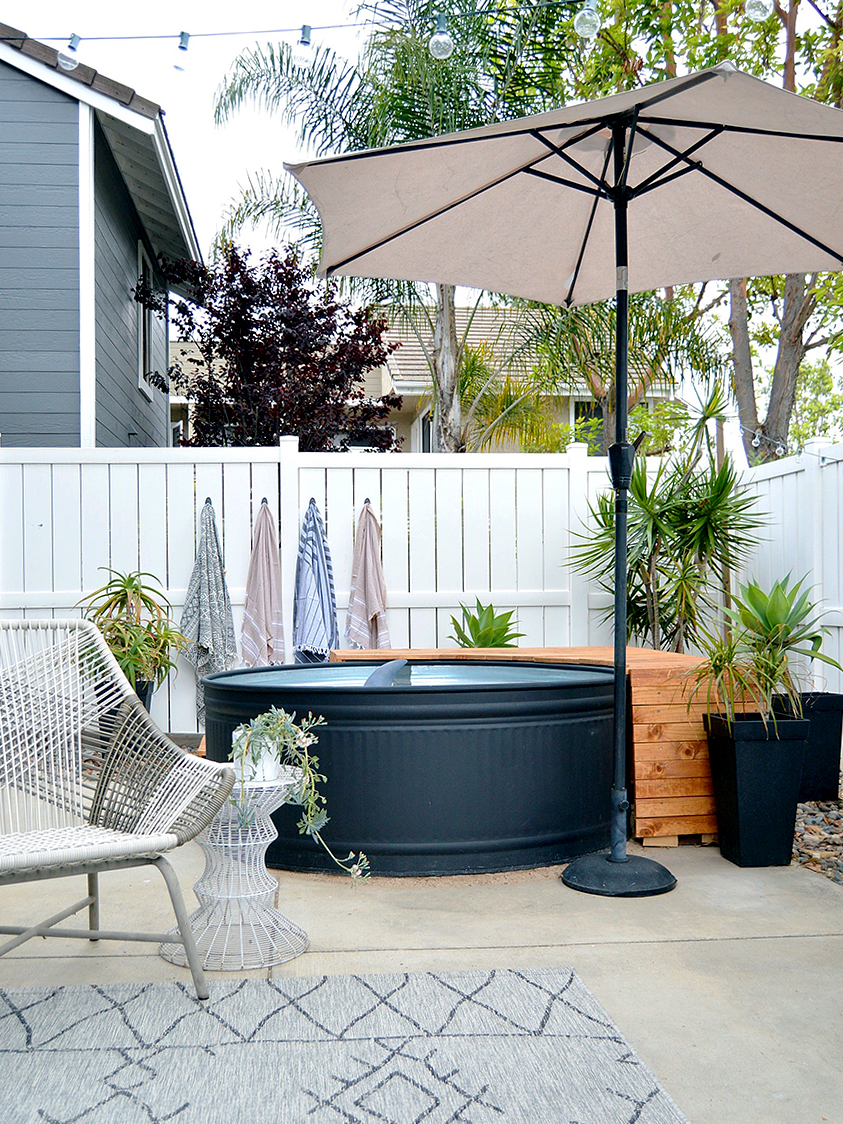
670	780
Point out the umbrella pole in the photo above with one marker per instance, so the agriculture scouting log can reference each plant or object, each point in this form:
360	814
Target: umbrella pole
618	874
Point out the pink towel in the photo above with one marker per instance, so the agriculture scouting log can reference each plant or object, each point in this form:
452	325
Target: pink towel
262	636
365	625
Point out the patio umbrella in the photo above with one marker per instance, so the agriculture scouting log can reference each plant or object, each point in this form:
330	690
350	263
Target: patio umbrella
262	635
365	625
713	175
207	620
315	630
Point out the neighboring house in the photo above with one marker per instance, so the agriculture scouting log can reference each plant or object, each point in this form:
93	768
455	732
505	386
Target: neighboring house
89	195
408	373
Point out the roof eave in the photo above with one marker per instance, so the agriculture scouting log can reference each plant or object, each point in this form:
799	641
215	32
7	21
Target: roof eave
120	103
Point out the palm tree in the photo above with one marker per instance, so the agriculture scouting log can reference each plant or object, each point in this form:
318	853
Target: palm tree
503	67
667	343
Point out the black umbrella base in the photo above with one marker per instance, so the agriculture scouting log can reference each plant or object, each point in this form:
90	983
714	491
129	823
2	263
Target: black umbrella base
636	878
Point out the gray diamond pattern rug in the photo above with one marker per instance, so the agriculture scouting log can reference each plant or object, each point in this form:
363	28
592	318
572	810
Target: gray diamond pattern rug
480	1047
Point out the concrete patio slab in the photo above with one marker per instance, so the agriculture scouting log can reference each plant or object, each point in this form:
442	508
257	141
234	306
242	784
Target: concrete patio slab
730	987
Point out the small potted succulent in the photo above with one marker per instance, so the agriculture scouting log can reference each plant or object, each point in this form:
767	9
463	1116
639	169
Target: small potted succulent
756	732
133	614
273	746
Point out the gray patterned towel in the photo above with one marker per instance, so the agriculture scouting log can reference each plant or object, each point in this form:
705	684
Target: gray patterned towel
207	621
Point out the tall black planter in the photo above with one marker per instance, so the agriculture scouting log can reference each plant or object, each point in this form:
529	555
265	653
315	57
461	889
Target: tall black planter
821	767
756	772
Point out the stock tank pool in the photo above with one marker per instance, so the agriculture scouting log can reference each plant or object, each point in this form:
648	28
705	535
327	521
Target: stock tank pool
442	767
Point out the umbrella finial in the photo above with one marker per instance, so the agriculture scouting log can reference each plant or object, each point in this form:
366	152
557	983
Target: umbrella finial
263	500
208	500
367	500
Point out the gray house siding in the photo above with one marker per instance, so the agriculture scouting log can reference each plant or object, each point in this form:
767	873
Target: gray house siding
39	263
125	415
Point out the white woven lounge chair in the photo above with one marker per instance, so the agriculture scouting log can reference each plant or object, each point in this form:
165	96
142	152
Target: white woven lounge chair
88	783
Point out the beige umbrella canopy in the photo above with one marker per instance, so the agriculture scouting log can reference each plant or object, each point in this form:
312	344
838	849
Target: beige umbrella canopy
713	175
725	176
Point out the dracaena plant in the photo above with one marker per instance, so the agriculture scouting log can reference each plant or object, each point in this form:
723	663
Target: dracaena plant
485	628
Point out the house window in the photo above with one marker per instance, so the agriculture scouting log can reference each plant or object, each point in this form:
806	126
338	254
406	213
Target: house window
145	327
426	433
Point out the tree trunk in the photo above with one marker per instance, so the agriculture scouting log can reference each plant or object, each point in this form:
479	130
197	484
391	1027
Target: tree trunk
447	422
742	363
797	307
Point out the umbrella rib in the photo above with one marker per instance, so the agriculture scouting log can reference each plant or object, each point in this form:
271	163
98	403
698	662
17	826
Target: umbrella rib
749	130
649	183
569	295
700	167
598	192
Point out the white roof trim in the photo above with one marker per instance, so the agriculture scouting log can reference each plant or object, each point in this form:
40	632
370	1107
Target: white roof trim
171	176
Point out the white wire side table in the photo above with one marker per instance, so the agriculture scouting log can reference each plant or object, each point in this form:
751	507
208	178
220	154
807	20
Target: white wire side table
236	925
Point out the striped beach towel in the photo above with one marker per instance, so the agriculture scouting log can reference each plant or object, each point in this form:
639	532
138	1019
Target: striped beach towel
315	630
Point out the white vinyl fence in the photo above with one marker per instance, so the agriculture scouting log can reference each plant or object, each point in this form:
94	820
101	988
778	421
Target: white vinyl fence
454	527
802	498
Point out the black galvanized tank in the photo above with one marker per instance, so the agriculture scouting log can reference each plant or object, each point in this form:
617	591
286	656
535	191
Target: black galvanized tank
457	767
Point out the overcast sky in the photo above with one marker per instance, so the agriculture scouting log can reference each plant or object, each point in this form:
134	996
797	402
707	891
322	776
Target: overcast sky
213	162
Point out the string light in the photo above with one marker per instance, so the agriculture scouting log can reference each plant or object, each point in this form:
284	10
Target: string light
587	24
184	40
70	62
758	10
290	30
758	437
441	44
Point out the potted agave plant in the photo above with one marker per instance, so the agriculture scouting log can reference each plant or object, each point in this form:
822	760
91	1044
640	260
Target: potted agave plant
272	746
756	731
133	614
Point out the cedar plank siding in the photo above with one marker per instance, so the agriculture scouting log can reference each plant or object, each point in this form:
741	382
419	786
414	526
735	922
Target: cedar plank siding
121	406
39	263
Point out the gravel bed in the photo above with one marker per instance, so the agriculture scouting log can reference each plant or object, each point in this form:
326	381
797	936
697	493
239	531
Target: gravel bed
818	842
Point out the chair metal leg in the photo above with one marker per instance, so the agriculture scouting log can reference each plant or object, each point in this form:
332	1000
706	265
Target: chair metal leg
169	876
94	907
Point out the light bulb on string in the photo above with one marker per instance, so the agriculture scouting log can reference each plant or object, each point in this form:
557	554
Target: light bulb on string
69	61
441	44
756	441
301	54
780	450
181	60
587	22
758	10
